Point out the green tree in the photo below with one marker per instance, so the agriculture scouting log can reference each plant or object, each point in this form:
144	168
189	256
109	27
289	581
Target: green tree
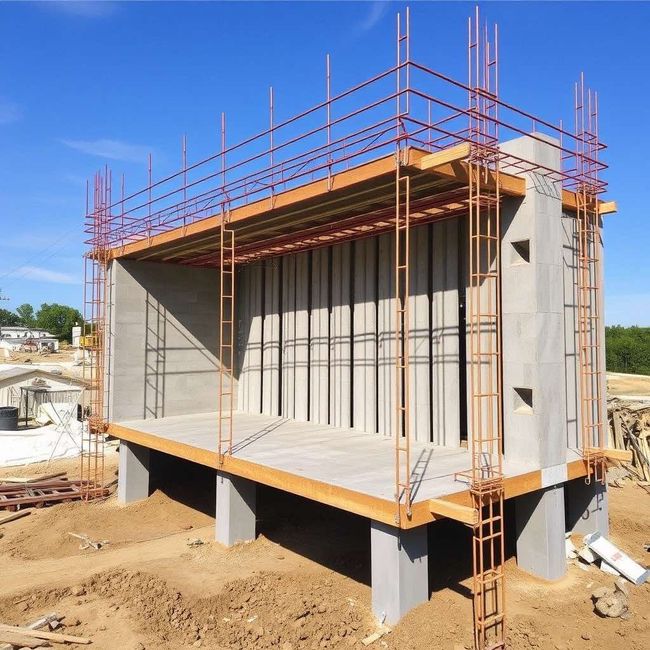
58	319
628	349
27	316
8	318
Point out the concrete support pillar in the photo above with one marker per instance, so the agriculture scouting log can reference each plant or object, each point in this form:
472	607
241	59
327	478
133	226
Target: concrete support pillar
400	576
586	507
235	516
133	473
540	532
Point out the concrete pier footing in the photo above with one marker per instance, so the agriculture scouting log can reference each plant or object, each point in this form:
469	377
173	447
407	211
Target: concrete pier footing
540	532
399	566
235	516
133	477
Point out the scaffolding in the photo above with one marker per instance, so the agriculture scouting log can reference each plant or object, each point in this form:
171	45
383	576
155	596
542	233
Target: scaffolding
408	107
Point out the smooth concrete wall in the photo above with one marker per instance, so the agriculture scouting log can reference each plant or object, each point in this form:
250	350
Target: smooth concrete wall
533	313
164	322
327	335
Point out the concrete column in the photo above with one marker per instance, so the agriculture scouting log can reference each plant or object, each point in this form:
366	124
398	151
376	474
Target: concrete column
586	507
540	532
400	574
534	396
235	516
133	473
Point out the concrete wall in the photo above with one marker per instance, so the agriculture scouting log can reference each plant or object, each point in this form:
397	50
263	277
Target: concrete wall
327	335
163	331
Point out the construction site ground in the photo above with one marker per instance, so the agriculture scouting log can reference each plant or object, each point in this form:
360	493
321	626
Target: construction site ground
304	583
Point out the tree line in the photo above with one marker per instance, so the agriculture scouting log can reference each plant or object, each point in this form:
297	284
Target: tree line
56	319
628	349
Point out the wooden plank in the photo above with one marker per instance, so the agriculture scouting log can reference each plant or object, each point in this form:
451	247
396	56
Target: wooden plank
608	207
454	511
42	634
614	454
459	152
16	640
15	515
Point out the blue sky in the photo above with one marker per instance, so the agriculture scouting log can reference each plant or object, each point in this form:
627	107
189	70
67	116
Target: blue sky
87	83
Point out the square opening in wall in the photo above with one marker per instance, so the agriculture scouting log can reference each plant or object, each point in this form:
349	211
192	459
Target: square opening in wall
523	400
520	252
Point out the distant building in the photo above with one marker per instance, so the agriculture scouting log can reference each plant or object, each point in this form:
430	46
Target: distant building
14	338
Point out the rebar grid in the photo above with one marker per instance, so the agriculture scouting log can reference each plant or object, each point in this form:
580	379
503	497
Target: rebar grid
226	336
93	343
589	281
484	321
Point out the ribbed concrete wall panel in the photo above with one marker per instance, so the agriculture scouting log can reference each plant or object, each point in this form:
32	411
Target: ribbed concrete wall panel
319	339
364	367
340	337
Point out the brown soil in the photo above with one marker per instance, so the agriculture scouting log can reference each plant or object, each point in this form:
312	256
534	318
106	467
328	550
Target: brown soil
621	384
301	584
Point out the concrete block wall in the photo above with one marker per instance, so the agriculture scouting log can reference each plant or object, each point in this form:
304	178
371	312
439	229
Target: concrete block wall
163	340
327	334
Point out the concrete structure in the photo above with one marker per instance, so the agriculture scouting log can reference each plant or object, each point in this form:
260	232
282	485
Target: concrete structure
355	345
315	374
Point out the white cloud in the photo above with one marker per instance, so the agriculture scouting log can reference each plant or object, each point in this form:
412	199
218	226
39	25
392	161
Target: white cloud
374	15
112	149
83	8
45	275
9	112
628	309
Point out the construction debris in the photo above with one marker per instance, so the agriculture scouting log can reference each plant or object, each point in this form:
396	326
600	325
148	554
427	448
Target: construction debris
14	515
31	634
89	543
611	602
37	493
615	558
629	430
50	622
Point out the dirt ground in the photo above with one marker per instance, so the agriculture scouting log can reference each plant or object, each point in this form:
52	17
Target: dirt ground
621	384
304	583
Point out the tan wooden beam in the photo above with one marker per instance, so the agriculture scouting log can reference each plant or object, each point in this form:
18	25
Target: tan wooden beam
454	511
